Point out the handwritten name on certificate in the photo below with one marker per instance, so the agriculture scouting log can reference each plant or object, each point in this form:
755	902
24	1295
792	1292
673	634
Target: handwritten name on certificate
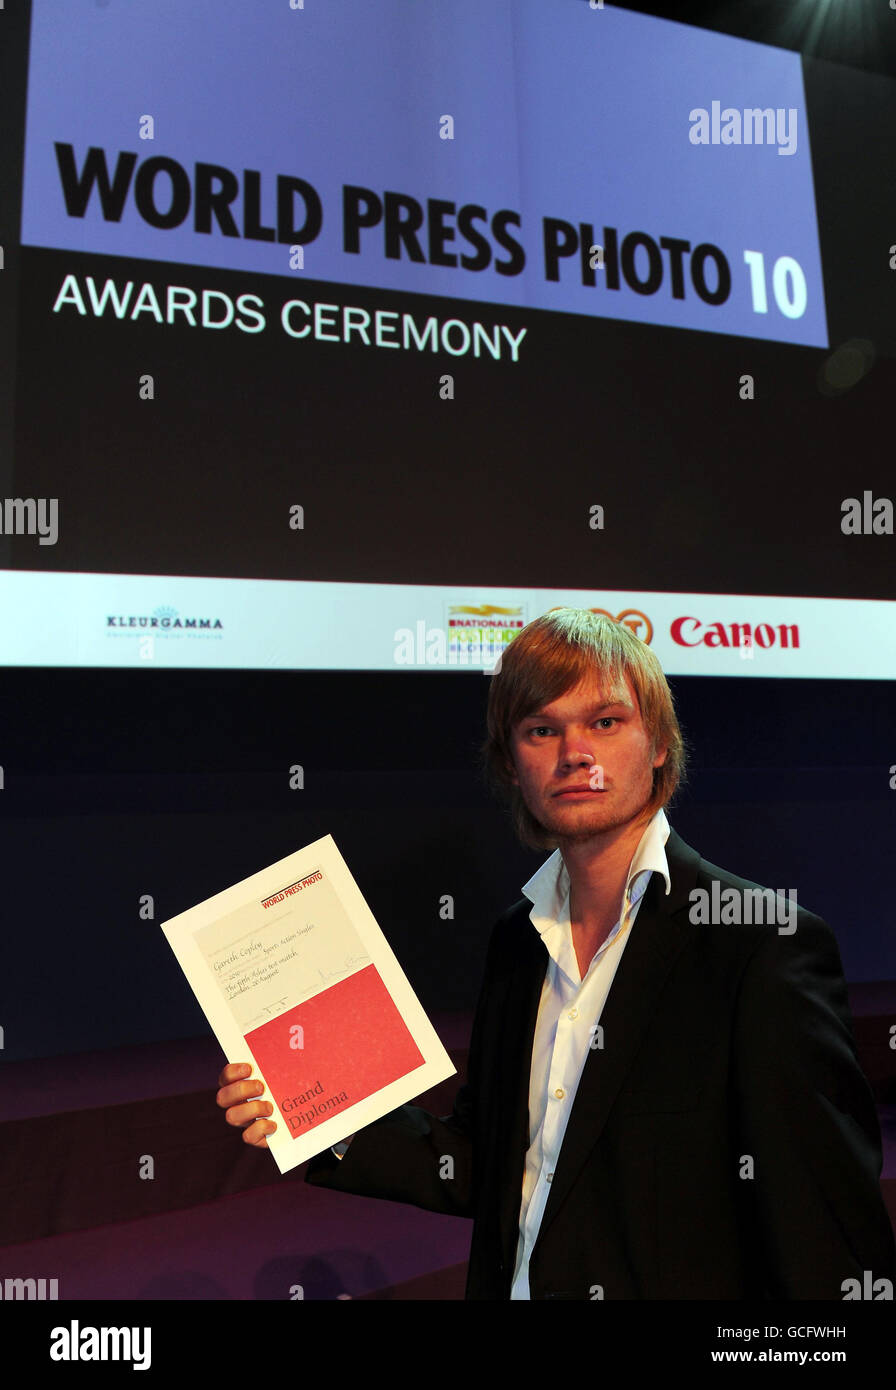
295	976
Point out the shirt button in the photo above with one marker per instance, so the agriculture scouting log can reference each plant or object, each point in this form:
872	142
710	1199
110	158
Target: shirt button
549	1177
573	1013
559	1093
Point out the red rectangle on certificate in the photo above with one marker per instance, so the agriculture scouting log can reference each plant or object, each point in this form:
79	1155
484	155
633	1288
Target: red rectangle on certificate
333	1050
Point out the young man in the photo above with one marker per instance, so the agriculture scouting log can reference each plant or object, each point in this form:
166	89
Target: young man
663	1099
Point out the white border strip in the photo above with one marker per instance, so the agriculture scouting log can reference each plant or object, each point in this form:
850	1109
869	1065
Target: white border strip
109	620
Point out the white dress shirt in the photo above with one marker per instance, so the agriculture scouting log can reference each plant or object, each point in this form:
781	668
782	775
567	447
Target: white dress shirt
569	1009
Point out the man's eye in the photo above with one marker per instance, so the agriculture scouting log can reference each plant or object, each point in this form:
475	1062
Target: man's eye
545	728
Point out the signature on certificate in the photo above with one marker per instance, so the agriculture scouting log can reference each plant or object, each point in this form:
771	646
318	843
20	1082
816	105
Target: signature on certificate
268	1011
350	962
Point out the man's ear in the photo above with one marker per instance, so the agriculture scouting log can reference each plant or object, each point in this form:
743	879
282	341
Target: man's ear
659	756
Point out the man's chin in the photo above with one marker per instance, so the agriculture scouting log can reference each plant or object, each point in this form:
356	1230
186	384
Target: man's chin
583	820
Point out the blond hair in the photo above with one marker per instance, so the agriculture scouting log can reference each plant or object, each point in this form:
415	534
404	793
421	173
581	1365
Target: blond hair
549	657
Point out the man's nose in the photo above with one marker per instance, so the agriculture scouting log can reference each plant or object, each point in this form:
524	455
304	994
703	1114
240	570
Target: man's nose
574	753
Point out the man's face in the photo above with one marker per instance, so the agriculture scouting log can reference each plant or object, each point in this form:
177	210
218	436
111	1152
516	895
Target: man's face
551	751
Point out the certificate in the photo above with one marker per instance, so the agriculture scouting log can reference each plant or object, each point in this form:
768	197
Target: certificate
294	975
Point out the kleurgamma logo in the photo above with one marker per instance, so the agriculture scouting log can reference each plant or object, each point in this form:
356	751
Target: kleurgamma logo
163	622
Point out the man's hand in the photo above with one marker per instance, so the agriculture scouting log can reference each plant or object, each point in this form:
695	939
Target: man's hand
235	1099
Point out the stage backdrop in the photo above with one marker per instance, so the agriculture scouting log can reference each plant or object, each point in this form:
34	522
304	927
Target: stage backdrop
341	340
353	336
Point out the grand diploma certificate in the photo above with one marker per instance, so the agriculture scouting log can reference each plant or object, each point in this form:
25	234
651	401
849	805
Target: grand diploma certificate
294	976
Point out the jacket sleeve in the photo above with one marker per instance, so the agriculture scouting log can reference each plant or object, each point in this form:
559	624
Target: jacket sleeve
410	1155
805	1114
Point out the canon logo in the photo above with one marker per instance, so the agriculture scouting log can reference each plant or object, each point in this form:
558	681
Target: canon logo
691	632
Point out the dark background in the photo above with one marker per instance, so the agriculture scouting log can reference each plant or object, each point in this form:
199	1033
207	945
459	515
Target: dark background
175	783
120	784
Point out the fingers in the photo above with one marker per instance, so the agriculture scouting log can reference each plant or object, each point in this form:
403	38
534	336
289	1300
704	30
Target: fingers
252	1118
234	1071
239	1091
256	1133
233	1090
235	1097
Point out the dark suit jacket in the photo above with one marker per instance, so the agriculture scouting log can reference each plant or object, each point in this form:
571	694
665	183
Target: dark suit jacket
727	1050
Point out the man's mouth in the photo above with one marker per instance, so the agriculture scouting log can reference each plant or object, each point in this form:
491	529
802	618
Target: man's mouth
577	791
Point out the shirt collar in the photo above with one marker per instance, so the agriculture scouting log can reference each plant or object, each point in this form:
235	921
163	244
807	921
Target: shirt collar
548	888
